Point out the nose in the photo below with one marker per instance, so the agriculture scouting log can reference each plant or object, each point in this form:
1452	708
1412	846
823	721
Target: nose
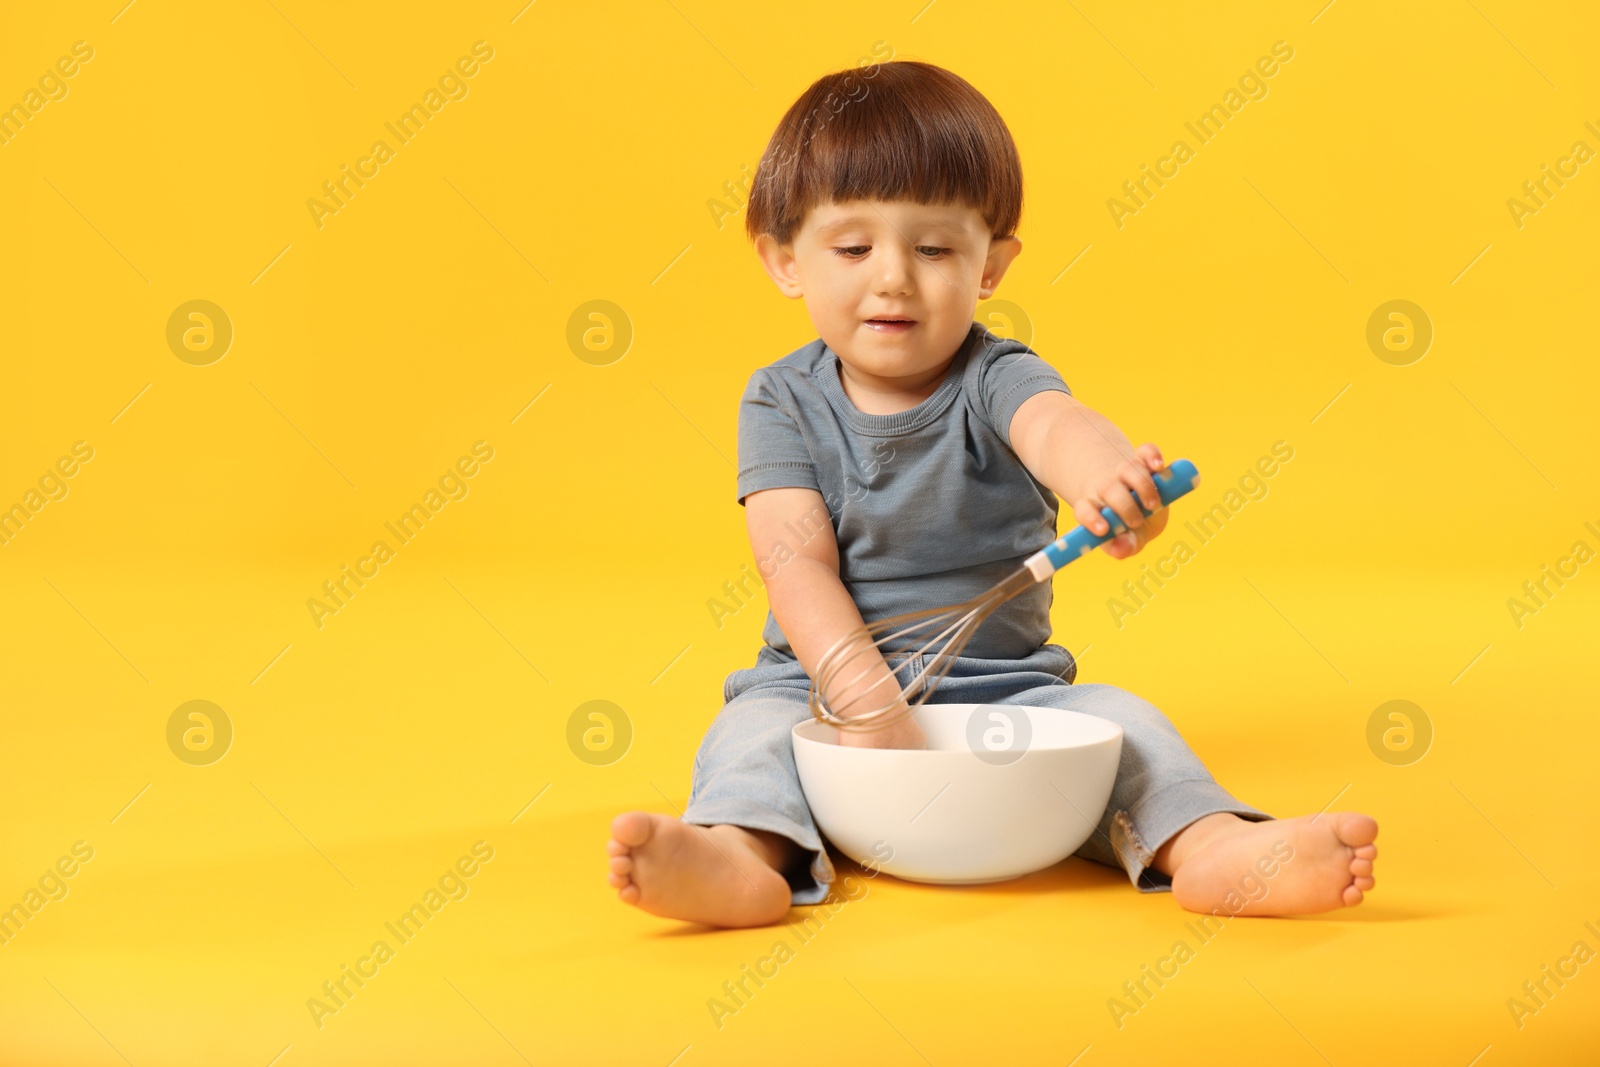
893	276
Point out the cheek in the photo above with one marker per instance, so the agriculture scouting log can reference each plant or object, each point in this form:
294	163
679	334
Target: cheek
949	312
840	296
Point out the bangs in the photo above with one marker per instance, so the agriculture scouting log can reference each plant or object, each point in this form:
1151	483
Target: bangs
903	130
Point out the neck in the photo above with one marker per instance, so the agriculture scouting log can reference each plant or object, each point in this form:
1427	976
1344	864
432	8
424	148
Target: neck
874	395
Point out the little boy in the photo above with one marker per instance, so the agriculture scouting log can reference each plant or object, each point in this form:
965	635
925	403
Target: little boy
908	458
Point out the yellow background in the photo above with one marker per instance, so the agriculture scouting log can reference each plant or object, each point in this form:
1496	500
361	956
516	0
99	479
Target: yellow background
426	315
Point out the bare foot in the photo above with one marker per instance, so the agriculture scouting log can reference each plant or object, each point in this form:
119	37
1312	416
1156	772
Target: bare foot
718	875
1277	867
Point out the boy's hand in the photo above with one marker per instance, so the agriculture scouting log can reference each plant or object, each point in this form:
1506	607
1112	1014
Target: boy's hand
1114	489
904	732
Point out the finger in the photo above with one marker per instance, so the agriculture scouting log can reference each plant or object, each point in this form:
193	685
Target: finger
1121	499
1120	547
1151	455
1140	482
1087	512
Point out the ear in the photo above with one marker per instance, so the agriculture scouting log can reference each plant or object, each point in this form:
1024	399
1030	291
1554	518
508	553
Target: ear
1002	250
780	263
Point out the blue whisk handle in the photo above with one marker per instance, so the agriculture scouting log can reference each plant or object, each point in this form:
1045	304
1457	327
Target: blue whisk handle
1179	477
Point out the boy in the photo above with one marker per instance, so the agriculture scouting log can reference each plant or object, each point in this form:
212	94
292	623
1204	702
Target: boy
920	457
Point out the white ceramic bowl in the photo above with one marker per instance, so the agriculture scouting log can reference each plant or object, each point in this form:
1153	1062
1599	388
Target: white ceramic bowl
1024	793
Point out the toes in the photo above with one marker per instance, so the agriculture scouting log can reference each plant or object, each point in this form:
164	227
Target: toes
1361	867
1367	852
616	848
1352	896
629	894
1365	883
623	865
1353	828
632	828
616	881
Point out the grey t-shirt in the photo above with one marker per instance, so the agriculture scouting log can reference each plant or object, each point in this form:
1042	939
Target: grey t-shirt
929	506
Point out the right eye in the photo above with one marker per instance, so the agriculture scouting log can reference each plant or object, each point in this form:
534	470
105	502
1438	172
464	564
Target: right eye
846	252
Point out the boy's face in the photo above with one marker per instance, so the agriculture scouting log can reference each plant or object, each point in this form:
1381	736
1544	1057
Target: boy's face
863	261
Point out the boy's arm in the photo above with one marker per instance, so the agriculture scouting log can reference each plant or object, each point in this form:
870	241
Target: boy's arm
806	595
1083	458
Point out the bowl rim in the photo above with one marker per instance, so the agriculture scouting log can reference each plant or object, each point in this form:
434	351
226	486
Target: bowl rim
1114	731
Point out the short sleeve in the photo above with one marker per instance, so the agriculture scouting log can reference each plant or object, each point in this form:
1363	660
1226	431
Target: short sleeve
1008	376
772	450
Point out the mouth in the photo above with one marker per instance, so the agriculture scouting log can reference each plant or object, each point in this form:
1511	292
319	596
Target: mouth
891	324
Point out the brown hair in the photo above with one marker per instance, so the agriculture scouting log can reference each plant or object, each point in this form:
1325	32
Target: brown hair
904	130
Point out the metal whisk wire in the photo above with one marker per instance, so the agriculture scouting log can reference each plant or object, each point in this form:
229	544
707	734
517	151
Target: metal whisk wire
890	638
957	624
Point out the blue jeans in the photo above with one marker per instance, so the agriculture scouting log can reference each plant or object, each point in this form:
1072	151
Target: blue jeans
744	772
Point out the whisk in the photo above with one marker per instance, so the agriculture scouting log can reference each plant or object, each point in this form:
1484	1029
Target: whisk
894	638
